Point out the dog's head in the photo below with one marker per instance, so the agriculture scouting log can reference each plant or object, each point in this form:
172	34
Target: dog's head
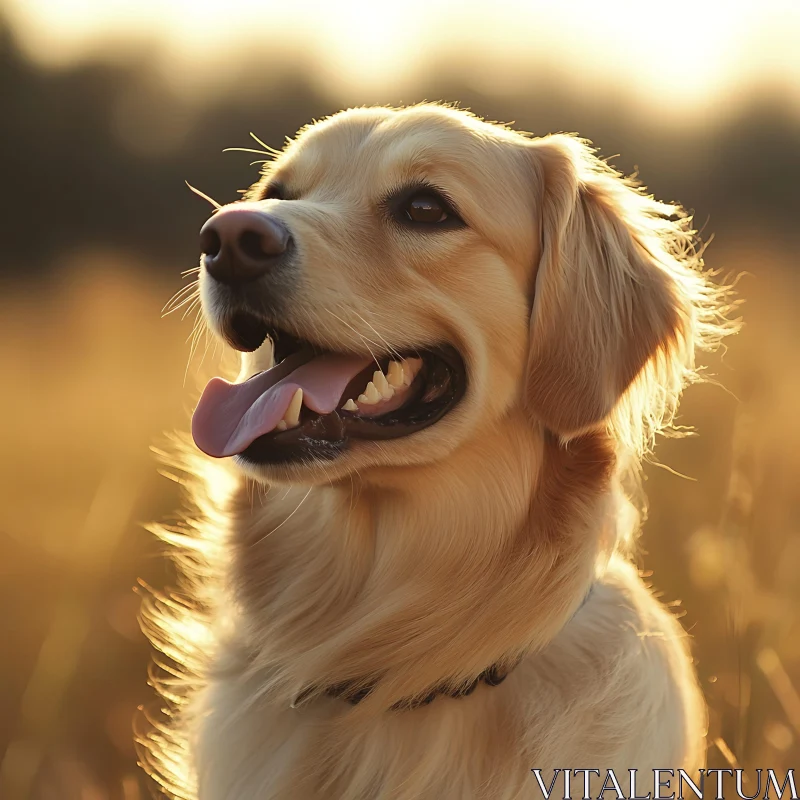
400	281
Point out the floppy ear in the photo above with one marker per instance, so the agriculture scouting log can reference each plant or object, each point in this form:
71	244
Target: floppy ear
605	299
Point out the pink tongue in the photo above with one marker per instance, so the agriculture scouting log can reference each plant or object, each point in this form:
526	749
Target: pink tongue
230	416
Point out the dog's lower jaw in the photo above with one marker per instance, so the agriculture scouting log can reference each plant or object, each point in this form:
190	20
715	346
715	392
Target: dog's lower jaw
430	581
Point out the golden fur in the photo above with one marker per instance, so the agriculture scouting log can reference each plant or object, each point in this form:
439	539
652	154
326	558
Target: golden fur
578	303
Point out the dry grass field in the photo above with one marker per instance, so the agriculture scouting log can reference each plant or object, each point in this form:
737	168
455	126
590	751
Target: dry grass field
93	377
108	107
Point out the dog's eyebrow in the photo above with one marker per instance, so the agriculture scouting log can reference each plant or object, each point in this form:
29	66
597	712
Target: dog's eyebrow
413	167
418	163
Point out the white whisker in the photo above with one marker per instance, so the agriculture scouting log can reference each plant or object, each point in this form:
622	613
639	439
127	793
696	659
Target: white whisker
389	347
192	305
197	328
244	150
211	200
270	150
278	527
366	341
179	297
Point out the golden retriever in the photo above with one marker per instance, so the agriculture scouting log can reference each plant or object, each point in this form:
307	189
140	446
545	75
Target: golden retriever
409	575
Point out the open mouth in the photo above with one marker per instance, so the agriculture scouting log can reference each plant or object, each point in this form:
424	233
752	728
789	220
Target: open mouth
313	402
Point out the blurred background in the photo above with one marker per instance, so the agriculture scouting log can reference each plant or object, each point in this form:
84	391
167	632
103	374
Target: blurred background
108	106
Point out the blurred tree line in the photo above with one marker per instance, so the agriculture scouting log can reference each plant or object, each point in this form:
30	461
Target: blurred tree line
94	158
97	155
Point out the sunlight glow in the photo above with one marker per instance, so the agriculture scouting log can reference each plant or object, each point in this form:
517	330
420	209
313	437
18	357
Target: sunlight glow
663	54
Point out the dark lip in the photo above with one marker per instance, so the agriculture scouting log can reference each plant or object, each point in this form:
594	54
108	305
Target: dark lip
325	437
246	331
245	311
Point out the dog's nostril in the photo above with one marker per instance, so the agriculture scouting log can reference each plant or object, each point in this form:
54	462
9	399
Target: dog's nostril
241	245
210	243
251	244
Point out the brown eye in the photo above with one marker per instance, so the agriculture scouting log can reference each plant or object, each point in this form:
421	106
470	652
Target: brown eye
426	208
423	209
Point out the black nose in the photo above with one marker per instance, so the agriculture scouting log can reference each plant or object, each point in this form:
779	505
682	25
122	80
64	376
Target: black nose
241	244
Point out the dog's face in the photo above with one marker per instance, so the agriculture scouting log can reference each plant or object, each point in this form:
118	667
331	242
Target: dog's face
379	280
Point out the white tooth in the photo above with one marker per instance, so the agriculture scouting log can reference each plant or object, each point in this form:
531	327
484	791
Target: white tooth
394	375
371	395
382	385
350	406
411	367
292	415
281	426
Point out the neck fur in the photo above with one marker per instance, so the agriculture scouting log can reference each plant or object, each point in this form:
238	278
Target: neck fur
429	579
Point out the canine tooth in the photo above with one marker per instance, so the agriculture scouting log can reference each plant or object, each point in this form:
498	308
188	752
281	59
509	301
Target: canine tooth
410	369
292	415
371	394
382	385
350	406
281	426
394	375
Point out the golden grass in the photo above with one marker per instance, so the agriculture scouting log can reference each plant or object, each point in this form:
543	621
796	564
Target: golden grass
93	376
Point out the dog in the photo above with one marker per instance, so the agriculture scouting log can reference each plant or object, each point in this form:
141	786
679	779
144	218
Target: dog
410	572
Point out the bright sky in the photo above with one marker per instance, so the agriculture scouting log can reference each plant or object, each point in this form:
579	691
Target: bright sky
692	53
